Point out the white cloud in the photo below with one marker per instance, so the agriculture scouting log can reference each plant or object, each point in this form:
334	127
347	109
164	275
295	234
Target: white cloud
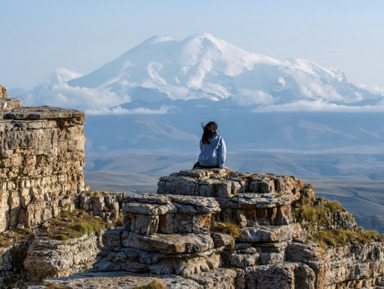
372	89
62	74
120	111
249	97
56	92
318	105
63	95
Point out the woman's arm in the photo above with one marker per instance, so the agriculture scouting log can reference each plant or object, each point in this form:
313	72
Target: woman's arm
221	153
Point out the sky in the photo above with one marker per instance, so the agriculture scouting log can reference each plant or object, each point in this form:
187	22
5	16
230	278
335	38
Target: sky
82	35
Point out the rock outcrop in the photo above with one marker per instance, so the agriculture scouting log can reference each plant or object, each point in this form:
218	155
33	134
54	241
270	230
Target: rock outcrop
271	249
3	93
41	163
7	104
41	174
164	235
50	257
108	206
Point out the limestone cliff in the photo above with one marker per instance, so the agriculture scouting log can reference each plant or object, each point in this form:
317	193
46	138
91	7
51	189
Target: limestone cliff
41	163
41	173
203	229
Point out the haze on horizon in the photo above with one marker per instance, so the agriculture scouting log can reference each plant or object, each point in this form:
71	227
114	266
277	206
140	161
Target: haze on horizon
38	36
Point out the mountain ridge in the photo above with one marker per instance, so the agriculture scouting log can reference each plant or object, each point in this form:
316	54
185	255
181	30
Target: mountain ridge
204	67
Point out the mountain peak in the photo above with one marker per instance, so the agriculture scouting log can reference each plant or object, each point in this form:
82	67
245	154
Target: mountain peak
205	67
154	40
204	36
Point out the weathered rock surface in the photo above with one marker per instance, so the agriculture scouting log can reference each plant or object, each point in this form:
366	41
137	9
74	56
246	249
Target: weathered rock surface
266	252
244	198
216	279
352	266
41	163
47	257
3	93
164	235
270	234
288	275
8	103
149	214
108	206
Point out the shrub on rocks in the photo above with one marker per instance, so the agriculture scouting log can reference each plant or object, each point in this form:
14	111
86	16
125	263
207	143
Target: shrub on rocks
73	224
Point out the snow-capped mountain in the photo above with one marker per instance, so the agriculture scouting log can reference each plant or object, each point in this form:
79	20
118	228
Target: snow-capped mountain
160	74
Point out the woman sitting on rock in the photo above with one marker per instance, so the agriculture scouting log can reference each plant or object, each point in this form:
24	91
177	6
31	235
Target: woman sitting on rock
213	151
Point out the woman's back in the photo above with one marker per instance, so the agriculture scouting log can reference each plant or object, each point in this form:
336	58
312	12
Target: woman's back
213	150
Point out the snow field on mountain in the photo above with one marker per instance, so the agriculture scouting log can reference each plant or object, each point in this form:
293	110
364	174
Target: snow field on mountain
206	68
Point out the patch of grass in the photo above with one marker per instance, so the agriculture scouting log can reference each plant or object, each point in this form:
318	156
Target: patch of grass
73	225
188	277
342	237
313	216
26	232
5	242
56	286
318	217
248	178
96	194
68	206
333	206
15	236
228	228
155	284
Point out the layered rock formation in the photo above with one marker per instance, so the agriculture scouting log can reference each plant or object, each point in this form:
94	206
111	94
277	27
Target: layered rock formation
41	173
173	233
260	205
41	162
164	235
50	257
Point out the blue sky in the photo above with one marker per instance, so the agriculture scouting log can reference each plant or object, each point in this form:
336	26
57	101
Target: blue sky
38	36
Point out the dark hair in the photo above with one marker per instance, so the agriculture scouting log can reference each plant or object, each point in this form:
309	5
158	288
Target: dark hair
209	132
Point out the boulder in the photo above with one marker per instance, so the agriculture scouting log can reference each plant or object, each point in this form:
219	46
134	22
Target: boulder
47	257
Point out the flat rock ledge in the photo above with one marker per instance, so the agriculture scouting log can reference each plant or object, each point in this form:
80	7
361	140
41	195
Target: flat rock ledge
217	279
38	112
244	198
